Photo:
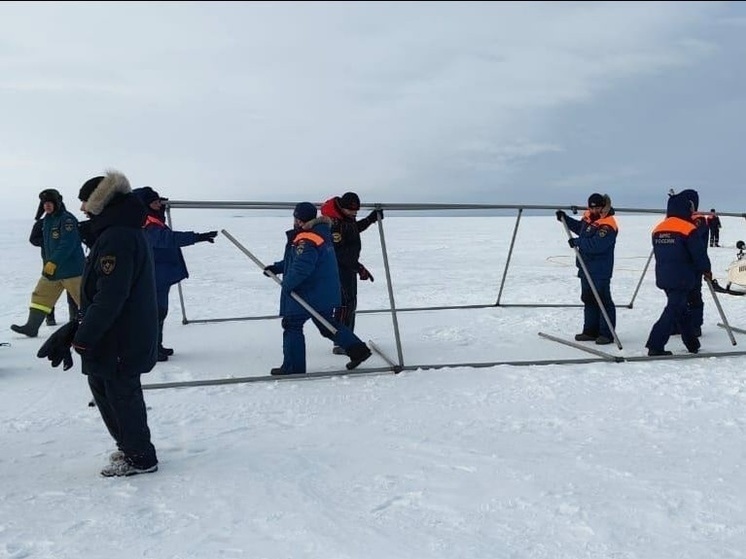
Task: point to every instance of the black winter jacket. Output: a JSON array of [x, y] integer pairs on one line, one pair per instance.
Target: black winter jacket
[[118, 331]]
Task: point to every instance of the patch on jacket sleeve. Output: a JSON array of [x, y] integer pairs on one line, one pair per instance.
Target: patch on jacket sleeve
[[69, 225], [602, 232], [108, 263], [337, 237], [300, 247]]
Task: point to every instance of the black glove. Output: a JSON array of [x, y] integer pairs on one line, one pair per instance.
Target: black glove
[[57, 347], [364, 274], [572, 241], [708, 275], [209, 237], [560, 215], [375, 215], [85, 230], [274, 268]]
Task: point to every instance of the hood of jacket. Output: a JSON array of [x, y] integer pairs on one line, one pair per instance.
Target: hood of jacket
[[112, 184], [692, 196], [123, 210], [332, 209], [680, 205]]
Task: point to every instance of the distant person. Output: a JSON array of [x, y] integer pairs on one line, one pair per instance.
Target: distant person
[[714, 225], [117, 336], [309, 269], [170, 266], [63, 261], [680, 261], [597, 233], [346, 229]]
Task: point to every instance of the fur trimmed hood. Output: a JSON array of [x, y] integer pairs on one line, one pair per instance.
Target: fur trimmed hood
[[112, 184], [315, 221]]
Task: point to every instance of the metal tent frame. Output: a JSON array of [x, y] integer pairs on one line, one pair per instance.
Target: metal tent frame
[[393, 310]]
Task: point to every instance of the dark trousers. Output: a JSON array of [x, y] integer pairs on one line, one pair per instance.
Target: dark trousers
[[294, 341], [594, 323], [676, 315], [122, 407], [345, 313], [696, 304], [714, 237], [161, 296]]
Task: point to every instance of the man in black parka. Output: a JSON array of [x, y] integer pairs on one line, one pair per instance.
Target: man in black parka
[[346, 229], [117, 333]]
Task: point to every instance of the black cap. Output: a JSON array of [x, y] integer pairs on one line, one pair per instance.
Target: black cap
[[596, 200], [349, 201]]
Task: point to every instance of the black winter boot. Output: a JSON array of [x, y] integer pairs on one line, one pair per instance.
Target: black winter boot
[[357, 354], [31, 328], [51, 321]]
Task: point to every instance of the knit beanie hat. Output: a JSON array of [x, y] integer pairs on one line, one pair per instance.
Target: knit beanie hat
[[350, 201], [305, 211], [147, 195], [596, 200], [88, 187]]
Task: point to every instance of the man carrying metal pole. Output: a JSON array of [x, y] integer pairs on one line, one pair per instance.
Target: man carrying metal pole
[[309, 268], [597, 233]]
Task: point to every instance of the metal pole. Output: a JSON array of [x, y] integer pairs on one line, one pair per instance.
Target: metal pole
[[639, 283], [593, 286], [293, 294], [184, 319], [510, 253], [720, 310], [387, 269]]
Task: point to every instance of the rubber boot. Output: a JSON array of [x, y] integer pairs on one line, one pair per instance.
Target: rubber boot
[[51, 321], [31, 328]]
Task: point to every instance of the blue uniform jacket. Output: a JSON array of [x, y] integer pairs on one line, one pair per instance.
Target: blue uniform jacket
[[170, 266], [596, 241], [62, 244], [680, 255], [310, 269]]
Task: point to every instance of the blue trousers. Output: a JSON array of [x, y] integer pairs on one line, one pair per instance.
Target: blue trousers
[[676, 315], [593, 319], [696, 304], [294, 342]]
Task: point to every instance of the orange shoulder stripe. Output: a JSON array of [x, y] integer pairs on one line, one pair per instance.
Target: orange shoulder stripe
[[674, 225], [609, 221], [315, 238]]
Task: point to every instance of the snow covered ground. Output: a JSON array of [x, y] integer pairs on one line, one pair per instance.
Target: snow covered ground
[[599, 460]]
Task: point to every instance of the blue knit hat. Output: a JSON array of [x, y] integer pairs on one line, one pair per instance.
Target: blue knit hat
[[305, 211]]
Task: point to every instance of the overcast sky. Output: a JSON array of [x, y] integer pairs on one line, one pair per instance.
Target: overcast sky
[[503, 103]]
